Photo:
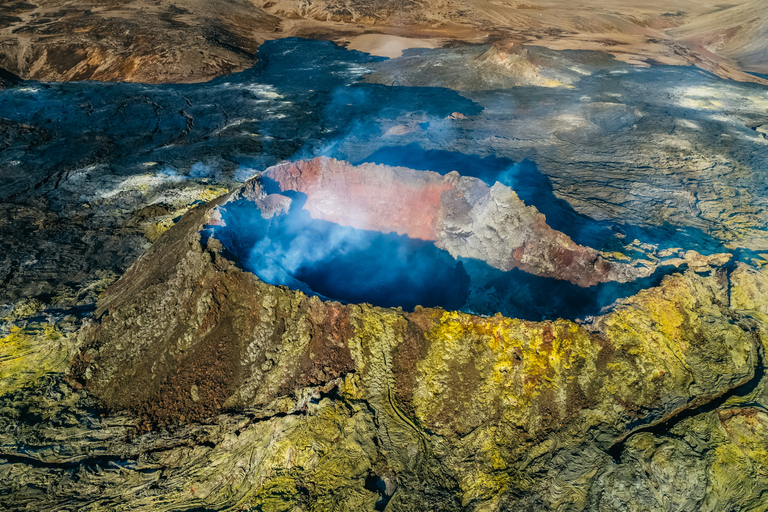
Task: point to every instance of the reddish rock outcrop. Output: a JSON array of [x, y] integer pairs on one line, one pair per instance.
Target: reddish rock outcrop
[[462, 215], [368, 196]]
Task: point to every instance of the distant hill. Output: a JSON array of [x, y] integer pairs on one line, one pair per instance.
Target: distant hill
[[739, 33], [196, 40]]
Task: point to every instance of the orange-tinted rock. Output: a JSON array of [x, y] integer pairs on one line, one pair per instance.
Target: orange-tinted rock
[[369, 196], [462, 215]]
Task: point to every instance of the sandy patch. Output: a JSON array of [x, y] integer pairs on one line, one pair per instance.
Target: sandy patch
[[385, 45]]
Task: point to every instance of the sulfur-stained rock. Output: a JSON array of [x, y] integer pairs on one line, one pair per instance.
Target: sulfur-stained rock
[[750, 286]]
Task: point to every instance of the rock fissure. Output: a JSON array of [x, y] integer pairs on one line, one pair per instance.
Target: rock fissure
[[94, 462], [663, 427]]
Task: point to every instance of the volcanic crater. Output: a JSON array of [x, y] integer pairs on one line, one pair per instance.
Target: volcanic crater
[[274, 287], [398, 237]]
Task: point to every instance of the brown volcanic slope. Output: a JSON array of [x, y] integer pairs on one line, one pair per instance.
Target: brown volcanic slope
[[442, 400], [193, 40], [138, 41], [185, 332], [738, 33]]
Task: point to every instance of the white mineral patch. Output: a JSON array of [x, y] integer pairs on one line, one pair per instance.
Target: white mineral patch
[[686, 123], [385, 45], [263, 91]]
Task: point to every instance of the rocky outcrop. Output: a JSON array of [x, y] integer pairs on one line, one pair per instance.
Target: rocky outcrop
[[372, 197], [495, 226], [460, 214]]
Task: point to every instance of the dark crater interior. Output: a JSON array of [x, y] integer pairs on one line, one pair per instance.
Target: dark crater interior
[[389, 270], [340, 262]]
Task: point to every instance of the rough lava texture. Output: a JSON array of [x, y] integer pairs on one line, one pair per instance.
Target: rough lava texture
[[460, 214]]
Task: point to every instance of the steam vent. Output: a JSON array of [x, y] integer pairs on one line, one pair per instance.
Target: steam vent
[[384, 256]]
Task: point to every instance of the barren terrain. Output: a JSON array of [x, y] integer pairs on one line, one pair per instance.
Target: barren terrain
[[192, 40]]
